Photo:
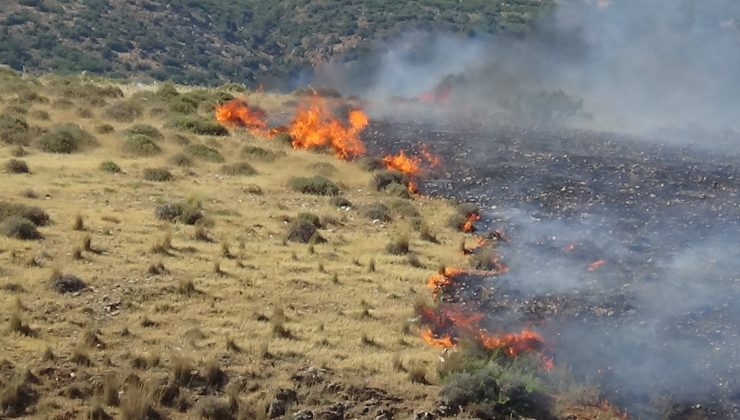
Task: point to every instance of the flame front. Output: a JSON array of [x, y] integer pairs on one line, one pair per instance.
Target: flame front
[[513, 344], [469, 224], [596, 265], [443, 342], [407, 165], [314, 126], [237, 113]]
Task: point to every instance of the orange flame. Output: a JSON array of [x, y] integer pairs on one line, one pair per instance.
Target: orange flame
[[314, 126], [596, 265], [438, 280], [237, 113], [469, 225], [513, 344], [443, 342], [407, 165], [432, 159]]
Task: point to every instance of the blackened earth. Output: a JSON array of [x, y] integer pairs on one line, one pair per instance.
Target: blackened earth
[[656, 324]]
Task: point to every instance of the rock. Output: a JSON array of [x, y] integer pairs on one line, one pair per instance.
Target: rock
[[424, 415], [334, 412], [276, 409], [446, 411], [303, 415]]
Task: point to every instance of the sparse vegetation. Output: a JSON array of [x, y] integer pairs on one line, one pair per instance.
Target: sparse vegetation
[[398, 246], [258, 153], [19, 228], [14, 130], [203, 152], [377, 211], [123, 111], [179, 159]]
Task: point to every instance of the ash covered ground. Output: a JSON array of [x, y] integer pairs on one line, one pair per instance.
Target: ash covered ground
[[624, 254]]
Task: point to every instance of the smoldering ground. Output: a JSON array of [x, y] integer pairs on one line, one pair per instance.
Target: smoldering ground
[[665, 68]]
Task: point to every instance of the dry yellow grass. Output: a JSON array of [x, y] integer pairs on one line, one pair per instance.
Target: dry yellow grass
[[346, 318]]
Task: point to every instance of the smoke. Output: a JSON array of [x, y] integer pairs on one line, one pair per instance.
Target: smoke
[[623, 65]]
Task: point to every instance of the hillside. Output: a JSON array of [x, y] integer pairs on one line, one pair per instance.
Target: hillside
[[212, 41]]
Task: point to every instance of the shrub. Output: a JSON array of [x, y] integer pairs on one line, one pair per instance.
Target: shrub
[[310, 218], [18, 151], [140, 145], [158, 174], [371, 163], [180, 139], [16, 166], [318, 185], [84, 113], [462, 212], [284, 138], [399, 246], [465, 388], [179, 212], [33, 214], [40, 114], [179, 159], [383, 179], [66, 283], [377, 211], [110, 166], [66, 138], [404, 208], [201, 126], [239, 168], [123, 111], [104, 129], [340, 201], [258, 153], [146, 130], [17, 394], [203, 152], [303, 231], [14, 130], [19, 228], [324, 168]]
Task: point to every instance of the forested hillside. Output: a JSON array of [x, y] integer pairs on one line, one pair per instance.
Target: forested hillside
[[212, 41]]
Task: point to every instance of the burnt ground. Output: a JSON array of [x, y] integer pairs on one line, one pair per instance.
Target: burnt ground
[[624, 253]]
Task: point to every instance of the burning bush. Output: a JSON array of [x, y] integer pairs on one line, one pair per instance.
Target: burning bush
[[66, 138], [200, 126], [465, 216], [239, 169], [392, 182], [140, 145], [317, 185], [179, 212], [203, 152], [15, 166], [237, 113], [123, 111], [158, 174]]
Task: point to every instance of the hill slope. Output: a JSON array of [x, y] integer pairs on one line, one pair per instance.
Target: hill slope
[[212, 41]]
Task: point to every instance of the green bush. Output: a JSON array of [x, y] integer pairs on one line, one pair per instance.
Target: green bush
[[318, 185], [19, 228], [146, 130], [158, 174], [85, 113], [181, 212], [140, 145], [200, 126], [250, 151], [404, 208], [203, 152], [66, 138], [34, 214], [309, 217], [179, 159], [15, 166], [377, 211], [239, 168], [464, 388], [14, 130], [384, 179], [371, 163], [123, 111], [40, 114], [110, 166]]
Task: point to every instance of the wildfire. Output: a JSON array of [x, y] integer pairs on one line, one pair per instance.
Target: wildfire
[[513, 344], [432, 159], [412, 166], [469, 225], [315, 126], [445, 278], [596, 265], [237, 113], [443, 342]]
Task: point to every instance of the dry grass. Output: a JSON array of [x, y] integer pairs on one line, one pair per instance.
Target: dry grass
[[313, 317]]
